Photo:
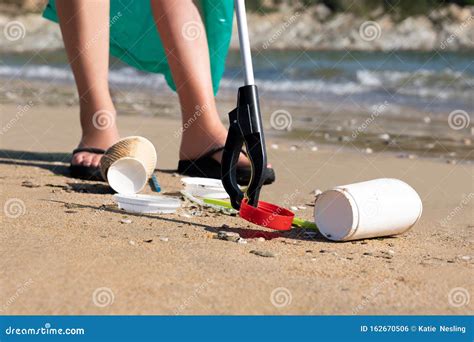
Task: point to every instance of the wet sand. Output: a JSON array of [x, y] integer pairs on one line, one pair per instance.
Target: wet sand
[[68, 250], [402, 132]]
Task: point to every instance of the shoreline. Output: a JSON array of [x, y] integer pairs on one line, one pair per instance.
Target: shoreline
[[310, 126]]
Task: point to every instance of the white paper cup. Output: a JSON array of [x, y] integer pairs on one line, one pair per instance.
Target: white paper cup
[[380, 207], [135, 147], [124, 163], [127, 176]]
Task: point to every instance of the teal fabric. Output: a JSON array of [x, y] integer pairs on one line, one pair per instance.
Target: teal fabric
[[134, 38]]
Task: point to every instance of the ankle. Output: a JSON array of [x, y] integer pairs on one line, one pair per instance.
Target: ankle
[[100, 120], [99, 127], [99, 139], [205, 129], [97, 114]]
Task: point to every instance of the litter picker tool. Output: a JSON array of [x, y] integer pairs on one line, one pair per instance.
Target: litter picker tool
[[246, 128]]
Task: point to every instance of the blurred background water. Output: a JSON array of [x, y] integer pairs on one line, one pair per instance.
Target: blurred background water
[[429, 82], [408, 89]]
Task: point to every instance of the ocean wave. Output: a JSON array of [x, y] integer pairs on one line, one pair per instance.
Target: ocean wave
[[443, 85], [36, 72], [302, 86], [130, 76], [122, 76]]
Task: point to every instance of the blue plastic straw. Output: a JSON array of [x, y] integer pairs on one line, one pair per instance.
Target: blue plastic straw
[[155, 186]]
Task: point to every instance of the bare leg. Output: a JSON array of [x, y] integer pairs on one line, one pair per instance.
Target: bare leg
[[188, 57], [85, 29]]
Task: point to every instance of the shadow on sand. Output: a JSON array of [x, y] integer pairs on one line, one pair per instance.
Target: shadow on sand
[[58, 164], [54, 162]]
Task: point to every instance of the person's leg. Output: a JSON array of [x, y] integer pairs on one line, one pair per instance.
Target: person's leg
[[85, 29], [183, 34]]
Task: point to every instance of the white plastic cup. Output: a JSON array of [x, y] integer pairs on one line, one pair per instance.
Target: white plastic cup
[[380, 207]]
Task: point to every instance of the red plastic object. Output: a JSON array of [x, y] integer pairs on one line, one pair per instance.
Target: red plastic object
[[267, 215]]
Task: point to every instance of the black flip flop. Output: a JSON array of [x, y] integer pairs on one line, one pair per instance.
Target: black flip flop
[[86, 172], [207, 167]]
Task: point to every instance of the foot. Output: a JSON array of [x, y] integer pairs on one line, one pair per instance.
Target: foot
[[102, 139], [198, 139], [196, 142]]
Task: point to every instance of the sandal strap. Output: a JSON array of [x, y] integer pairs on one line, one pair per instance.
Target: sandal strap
[[88, 150], [214, 150]]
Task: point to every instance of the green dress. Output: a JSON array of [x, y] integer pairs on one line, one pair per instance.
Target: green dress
[[134, 38]]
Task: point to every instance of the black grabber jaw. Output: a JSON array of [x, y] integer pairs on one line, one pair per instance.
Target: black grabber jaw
[[245, 128]]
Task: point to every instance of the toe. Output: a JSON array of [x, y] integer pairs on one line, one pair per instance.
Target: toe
[[87, 161], [77, 159], [96, 160]]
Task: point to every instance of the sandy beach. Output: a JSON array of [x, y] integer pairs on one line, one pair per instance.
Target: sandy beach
[[67, 249]]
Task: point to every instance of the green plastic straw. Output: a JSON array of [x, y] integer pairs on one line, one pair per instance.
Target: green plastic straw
[[297, 222], [218, 202], [300, 223]]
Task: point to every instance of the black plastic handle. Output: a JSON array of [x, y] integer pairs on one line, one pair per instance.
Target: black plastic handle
[[230, 158], [245, 128]]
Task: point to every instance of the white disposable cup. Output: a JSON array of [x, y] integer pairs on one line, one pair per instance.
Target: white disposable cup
[[127, 175], [380, 207], [135, 147]]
